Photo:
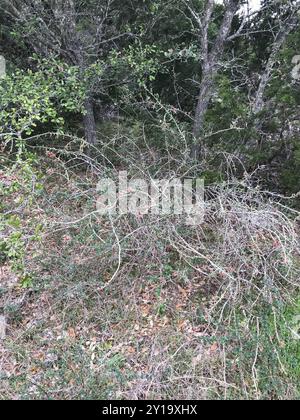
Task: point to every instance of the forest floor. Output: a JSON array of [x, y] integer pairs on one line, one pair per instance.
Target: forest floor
[[151, 333]]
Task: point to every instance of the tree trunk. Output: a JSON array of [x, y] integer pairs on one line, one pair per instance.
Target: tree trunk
[[205, 95], [211, 59], [259, 102], [89, 123]]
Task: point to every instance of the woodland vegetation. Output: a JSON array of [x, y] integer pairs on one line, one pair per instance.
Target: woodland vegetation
[[148, 307]]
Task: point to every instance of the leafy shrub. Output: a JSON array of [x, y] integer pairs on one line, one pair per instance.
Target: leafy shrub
[[31, 98], [19, 185]]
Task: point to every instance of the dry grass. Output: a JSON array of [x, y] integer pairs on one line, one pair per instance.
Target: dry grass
[[149, 308]]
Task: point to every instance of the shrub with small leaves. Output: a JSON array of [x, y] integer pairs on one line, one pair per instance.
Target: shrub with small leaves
[[29, 98], [19, 229]]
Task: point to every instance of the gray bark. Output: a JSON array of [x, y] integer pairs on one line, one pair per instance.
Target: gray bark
[[211, 59], [204, 98], [89, 123], [259, 102]]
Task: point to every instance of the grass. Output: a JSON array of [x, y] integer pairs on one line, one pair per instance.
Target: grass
[[170, 326], [143, 340]]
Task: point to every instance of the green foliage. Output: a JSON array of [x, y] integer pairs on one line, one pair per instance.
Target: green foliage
[[30, 98], [19, 185], [140, 63], [290, 171], [25, 101]]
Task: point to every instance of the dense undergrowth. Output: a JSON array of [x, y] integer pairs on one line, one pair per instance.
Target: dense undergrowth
[[144, 307]]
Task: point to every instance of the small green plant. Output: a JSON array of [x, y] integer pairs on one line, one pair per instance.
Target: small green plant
[[19, 186]]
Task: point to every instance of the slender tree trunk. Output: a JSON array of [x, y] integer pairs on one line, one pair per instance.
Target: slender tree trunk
[[211, 59], [259, 102], [204, 98], [89, 122]]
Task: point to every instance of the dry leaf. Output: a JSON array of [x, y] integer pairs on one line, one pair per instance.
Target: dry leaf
[[214, 348], [72, 333]]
